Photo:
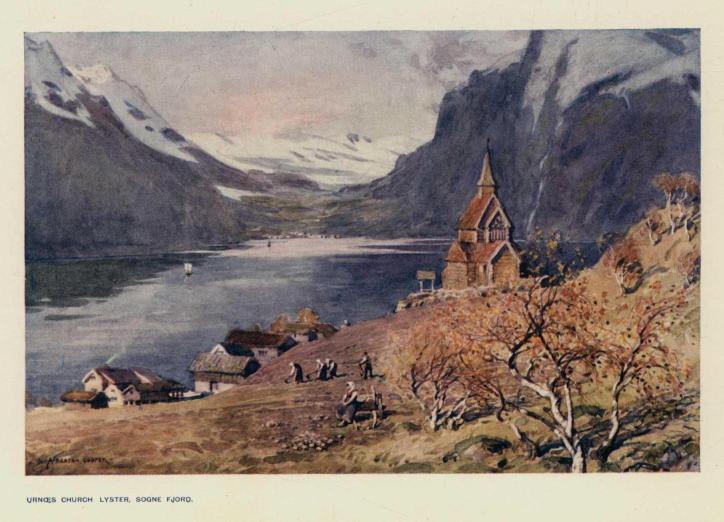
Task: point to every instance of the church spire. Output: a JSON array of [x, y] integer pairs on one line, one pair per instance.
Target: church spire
[[486, 181]]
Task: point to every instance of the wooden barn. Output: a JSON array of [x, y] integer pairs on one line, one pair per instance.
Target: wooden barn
[[222, 368], [241, 354], [483, 253]]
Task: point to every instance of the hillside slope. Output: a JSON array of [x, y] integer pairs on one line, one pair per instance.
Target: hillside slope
[[267, 426]]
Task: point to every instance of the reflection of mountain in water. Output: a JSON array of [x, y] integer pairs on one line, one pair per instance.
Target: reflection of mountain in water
[[73, 282]]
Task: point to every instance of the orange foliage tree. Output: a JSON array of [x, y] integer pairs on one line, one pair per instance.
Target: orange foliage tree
[[426, 364], [669, 185], [527, 350], [636, 356], [683, 192], [533, 351], [688, 202], [653, 225], [622, 259]]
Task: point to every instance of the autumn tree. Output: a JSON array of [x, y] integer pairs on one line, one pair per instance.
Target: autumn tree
[[426, 365], [653, 225], [622, 260], [682, 192], [669, 185], [688, 202], [545, 255], [689, 265], [533, 355], [636, 356], [534, 351]]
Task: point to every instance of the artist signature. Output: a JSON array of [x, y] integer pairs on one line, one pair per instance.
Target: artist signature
[[48, 462]]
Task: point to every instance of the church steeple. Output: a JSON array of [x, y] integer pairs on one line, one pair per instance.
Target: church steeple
[[486, 183]]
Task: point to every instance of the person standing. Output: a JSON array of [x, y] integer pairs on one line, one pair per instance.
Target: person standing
[[366, 366], [297, 374]]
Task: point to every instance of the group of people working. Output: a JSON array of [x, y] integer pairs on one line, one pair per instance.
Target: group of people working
[[327, 370]]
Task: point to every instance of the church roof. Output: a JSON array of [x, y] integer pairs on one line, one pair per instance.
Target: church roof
[[477, 252], [471, 217], [456, 254], [484, 252], [486, 174]]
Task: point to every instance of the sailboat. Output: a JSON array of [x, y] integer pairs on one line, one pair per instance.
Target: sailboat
[[188, 269]]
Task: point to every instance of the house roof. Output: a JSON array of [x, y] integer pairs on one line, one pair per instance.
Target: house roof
[[80, 396], [145, 373], [471, 217], [237, 349], [254, 338], [124, 377], [118, 375], [220, 363], [325, 329]]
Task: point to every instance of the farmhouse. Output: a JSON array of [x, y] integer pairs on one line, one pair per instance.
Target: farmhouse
[[263, 345], [126, 386], [483, 253], [241, 354], [306, 328]]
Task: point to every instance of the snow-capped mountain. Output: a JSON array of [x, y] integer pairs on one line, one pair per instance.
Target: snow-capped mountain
[[578, 128], [61, 90], [330, 161], [52, 85], [105, 173]]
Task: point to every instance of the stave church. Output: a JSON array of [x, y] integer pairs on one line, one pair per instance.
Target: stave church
[[484, 253]]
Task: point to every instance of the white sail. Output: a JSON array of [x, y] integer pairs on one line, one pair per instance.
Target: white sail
[[188, 268]]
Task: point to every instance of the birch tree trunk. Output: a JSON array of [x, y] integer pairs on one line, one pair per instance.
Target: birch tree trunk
[[579, 460], [670, 212]]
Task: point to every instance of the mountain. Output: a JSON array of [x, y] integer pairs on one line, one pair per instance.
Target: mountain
[[578, 128], [106, 174], [330, 161]]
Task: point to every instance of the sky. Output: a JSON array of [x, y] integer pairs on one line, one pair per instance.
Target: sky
[[278, 84]]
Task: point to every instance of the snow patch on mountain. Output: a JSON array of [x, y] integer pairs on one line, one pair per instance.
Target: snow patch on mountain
[[51, 84], [611, 61], [330, 161], [237, 194], [129, 104]]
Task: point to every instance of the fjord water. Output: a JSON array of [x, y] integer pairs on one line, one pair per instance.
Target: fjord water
[[142, 311]]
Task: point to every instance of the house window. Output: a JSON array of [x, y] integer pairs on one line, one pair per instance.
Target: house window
[[213, 386]]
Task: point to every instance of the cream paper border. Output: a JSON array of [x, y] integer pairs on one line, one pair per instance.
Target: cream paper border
[[690, 497]]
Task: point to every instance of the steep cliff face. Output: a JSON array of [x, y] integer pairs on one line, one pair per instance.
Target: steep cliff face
[[578, 128]]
